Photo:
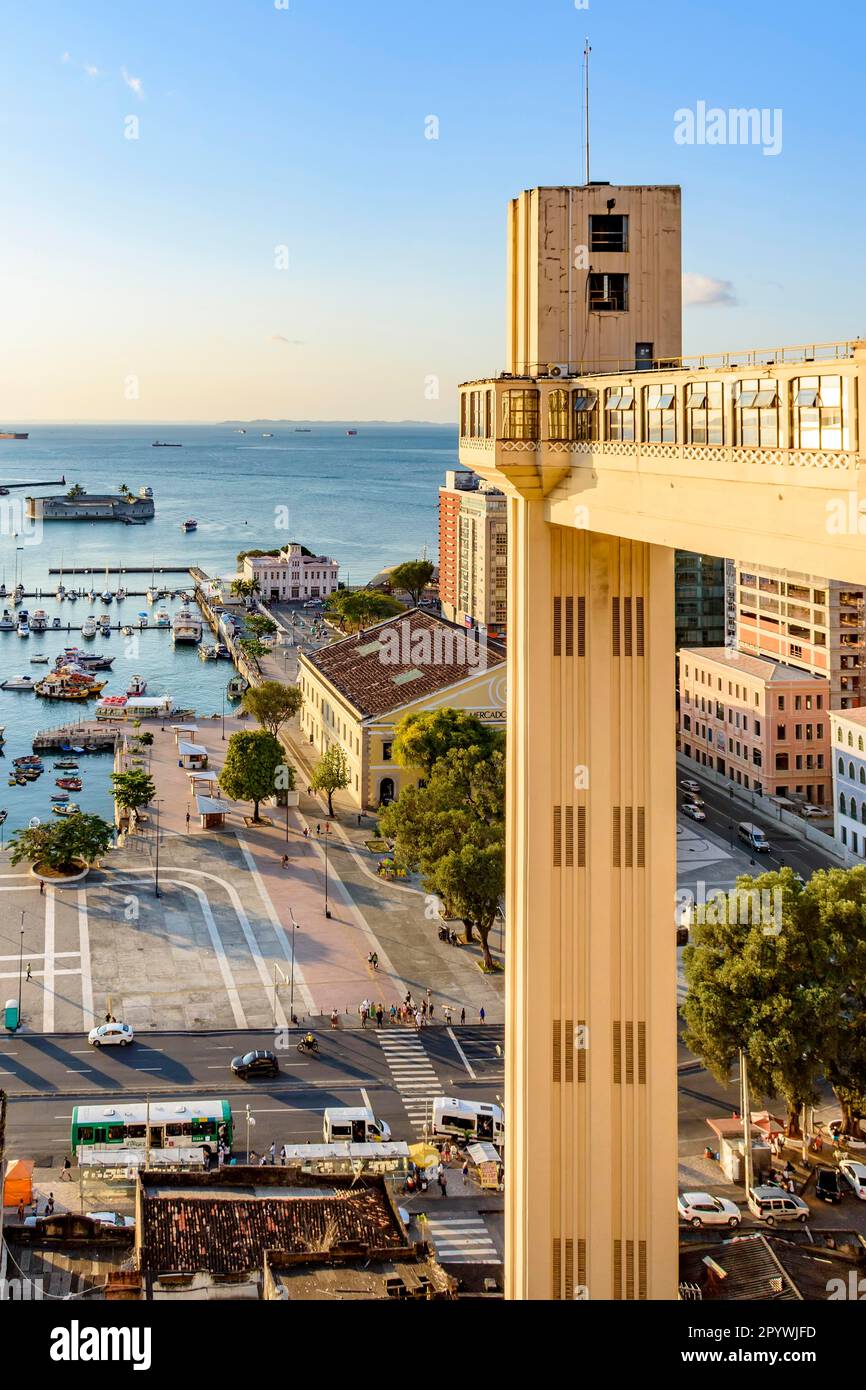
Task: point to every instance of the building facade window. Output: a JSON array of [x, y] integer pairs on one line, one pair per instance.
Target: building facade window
[[608, 294], [757, 414], [820, 413], [520, 415], [620, 413], [660, 414], [705, 420]]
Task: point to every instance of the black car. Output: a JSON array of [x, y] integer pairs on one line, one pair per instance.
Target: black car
[[828, 1185], [254, 1064]]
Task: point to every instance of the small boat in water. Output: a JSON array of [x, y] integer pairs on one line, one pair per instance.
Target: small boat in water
[[162, 618], [237, 688], [39, 621], [137, 686], [65, 765], [142, 619], [70, 809], [23, 628], [206, 653], [56, 624], [38, 660], [19, 683], [7, 622], [127, 630], [69, 784], [189, 525], [120, 594], [88, 627]]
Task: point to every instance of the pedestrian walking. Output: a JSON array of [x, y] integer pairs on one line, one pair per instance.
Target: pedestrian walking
[[21, 1209], [306, 832], [335, 1018], [272, 1151], [423, 1008], [430, 1011], [481, 1014], [392, 1013], [465, 1171], [309, 791], [65, 1175], [49, 1205], [285, 861], [448, 1015], [318, 827], [29, 975], [284, 1153], [462, 1016], [187, 822], [363, 1017], [418, 1020], [443, 1187], [41, 886], [380, 1014]]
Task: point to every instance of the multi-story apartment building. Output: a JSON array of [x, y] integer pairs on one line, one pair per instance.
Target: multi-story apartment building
[[848, 732], [699, 598], [473, 541], [816, 624], [760, 723], [292, 573]]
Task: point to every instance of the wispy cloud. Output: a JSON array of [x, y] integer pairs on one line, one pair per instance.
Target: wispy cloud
[[91, 69], [705, 289], [291, 342], [66, 58], [133, 83]]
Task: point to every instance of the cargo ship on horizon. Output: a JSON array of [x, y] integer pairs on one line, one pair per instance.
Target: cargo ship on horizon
[[8, 434]]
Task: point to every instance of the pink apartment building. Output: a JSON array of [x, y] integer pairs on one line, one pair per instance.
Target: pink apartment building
[[758, 722]]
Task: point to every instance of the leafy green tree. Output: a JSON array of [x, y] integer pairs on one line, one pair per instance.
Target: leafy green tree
[[63, 846], [359, 608], [453, 830], [254, 650], [244, 588], [260, 625], [422, 739], [762, 978], [412, 577], [331, 774], [273, 704], [133, 789], [75, 492], [253, 760]]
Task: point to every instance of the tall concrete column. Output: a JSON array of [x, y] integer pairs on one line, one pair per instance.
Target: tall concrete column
[[591, 1004]]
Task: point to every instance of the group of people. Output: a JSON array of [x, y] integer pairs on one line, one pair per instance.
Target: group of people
[[414, 1012]]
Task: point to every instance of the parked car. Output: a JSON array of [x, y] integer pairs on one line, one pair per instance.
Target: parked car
[[690, 808], [111, 1218], [111, 1035], [855, 1175], [700, 1209], [688, 785], [254, 1064], [813, 811], [693, 799], [771, 1204], [828, 1185]]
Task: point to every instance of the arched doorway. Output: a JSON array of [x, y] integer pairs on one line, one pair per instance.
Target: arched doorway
[[386, 791]]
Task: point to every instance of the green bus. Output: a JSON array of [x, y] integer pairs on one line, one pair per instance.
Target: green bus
[[171, 1124]]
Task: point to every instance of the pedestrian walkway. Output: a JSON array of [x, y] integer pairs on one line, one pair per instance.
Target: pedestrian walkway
[[414, 1077], [462, 1240]]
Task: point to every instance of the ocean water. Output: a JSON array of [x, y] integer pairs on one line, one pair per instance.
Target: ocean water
[[368, 501]]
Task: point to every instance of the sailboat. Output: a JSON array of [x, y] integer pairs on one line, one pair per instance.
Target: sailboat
[[153, 591], [106, 594], [60, 591]]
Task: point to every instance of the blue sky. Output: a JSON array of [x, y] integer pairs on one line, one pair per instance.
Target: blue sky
[[151, 261]]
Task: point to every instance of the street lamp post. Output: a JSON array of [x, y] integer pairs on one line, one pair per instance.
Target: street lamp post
[[250, 1121], [20, 967], [224, 716], [156, 892], [327, 836]]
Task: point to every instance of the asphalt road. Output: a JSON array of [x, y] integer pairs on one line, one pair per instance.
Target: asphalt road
[[724, 814], [44, 1076]]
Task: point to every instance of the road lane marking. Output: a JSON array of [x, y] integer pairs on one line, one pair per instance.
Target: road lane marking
[[48, 975], [280, 932], [84, 943], [460, 1053]]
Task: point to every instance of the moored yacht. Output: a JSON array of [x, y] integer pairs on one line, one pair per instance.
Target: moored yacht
[[39, 621], [7, 622], [162, 618], [186, 626], [88, 627], [23, 628]]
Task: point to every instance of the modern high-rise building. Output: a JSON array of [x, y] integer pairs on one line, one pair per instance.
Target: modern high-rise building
[[607, 473], [473, 544], [814, 623], [699, 597]]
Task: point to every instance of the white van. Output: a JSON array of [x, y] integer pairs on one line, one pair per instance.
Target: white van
[[355, 1125], [467, 1120], [753, 836]]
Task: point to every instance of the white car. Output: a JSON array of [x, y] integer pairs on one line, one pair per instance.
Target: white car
[[111, 1035], [855, 1175], [111, 1218], [813, 811], [691, 808], [690, 786], [700, 1209]]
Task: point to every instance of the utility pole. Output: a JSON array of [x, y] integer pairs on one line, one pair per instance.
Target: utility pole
[[747, 1121], [327, 836], [586, 52], [156, 892], [20, 967]]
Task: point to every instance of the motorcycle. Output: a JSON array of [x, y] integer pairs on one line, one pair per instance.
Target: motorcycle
[[308, 1045]]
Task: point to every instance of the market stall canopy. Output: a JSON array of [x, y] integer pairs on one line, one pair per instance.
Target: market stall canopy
[[212, 806]]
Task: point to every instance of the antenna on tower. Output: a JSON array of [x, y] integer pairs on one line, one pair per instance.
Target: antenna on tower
[[587, 49]]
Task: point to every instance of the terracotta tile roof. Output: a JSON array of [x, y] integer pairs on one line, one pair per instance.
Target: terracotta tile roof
[[225, 1233], [854, 716], [400, 660], [764, 668]]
